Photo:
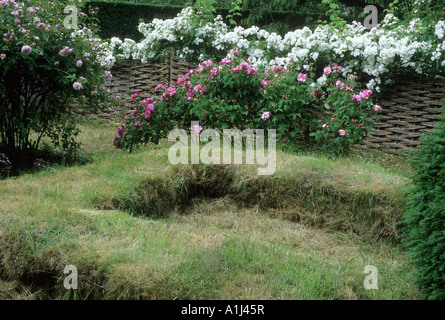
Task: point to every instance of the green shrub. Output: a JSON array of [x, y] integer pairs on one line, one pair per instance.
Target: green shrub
[[424, 221]]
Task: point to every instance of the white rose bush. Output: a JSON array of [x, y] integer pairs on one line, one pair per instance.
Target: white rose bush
[[379, 55]]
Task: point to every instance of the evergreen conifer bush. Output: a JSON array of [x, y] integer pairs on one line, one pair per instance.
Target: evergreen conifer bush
[[424, 220]]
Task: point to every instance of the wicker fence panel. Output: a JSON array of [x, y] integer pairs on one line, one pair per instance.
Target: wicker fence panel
[[133, 76], [130, 76], [409, 111]]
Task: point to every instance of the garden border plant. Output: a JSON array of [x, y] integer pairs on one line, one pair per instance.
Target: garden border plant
[[423, 223], [236, 95], [45, 67]]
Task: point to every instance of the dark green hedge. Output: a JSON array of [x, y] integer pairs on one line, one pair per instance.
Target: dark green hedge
[[120, 19], [424, 221]]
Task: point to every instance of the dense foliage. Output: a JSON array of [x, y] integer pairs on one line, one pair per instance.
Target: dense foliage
[[424, 221], [43, 66], [121, 18]]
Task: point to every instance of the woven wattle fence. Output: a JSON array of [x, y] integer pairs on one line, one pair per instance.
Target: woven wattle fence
[[130, 76], [410, 110]]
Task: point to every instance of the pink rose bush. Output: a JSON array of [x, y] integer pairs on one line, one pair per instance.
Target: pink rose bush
[[53, 65], [350, 114], [239, 95], [302, 77]]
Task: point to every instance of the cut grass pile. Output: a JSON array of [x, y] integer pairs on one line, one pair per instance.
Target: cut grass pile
[[138, 228]]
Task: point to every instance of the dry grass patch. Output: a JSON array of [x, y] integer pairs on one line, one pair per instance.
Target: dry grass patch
[[137, 228]]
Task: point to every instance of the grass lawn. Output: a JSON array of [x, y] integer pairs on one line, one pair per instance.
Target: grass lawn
[[137, 227]]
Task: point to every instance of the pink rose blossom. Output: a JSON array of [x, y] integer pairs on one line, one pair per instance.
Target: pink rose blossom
[[64, 52], [340, 85], [77, 86], [197, 87], [265, 115], [302, 77], [366, 94], [376, 108], [234, 51], [190, 94], [134, 95], [225, 61], [277, 68], [208, 63], [263, 83], [214, 71], [148, 110], [357, 98], [134, 113], [159, 87], [342, 132], [171, 91], [188, 84], [252, 70], [147, 101], [120, 130], [26, 49], [189, 74], [327, 70], [197, 129]]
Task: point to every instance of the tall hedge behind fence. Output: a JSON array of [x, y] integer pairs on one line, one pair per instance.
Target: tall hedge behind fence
[[121, 19], [410, 110]]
